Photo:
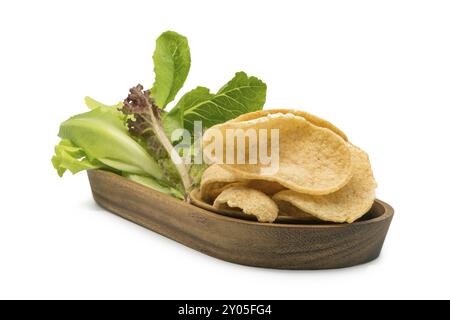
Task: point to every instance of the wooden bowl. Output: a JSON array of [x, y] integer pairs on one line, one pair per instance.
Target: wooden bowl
[[278, 245]]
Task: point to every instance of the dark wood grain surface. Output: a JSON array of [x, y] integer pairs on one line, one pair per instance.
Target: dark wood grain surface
[[281, 246]]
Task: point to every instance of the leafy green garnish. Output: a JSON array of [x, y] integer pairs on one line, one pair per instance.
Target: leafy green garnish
[[196, 173], [99, 139], [156, 185], [240, 95], [70, 157], [172, 61], [134, 137], [144, 122], [94, 104]]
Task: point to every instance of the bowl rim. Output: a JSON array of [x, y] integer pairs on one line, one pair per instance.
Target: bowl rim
[[387, 214], [284, 220]]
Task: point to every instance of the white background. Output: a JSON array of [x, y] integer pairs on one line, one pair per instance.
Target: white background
[[380, 70]]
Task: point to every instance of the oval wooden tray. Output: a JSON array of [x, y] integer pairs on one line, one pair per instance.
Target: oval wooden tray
[[278, 245]]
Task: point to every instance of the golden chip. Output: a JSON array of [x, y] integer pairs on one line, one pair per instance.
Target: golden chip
[[346, 205], [214, 180], [309, 117], [287, 209], [251, 201], [217, 178], [312, 160]]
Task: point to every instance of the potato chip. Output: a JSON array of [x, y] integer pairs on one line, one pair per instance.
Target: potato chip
[[346, 205], [214, 180], [250, 201], [312, 160], [287, 209], [267, 187], [309, 117], [217, 178]]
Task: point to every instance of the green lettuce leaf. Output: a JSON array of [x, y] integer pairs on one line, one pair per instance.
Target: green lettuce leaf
[[175, 118], [196, 172], [172, 122], [156, 185], [99, 139], [70, 157], [94, 104], [143, 120], [134, 138], [240, 95], [172, 61]]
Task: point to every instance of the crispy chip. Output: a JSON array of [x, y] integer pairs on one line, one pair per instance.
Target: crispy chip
[[251, 201], [217, 178], [309, 117], [346, 205], [312, 160], [267, 187], [214, 180], [287, 209]]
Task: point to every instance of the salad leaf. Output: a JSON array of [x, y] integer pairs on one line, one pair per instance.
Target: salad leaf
[[175, 118], [94, 104], [97, 139], [144, 122], [172, 122], [172, 61], [156, 185], [131, 138], [240, 95], [196, 173], [70, 157]]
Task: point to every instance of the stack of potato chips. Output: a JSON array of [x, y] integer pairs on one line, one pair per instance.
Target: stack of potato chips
[[319, 174]]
